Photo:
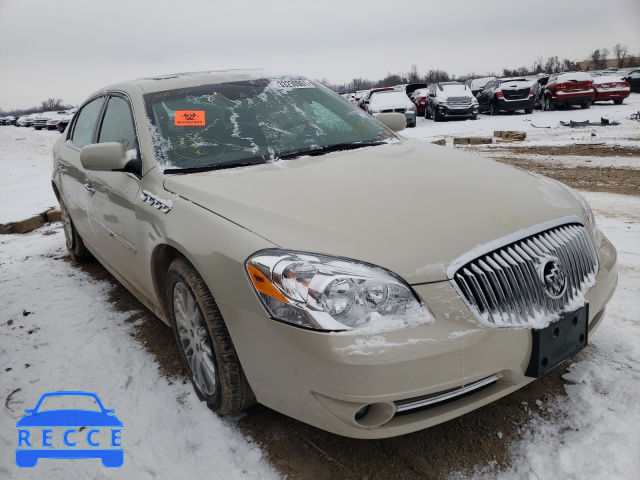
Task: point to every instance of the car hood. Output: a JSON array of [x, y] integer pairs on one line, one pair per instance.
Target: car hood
[[410, 207]]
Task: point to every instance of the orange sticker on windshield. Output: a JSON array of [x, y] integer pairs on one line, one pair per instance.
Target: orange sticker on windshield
[[189, 118]]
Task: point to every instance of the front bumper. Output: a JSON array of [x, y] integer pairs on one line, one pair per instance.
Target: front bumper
[[452, 111], [325, 379]]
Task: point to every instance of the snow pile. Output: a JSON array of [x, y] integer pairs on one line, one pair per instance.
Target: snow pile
[[73, 339]]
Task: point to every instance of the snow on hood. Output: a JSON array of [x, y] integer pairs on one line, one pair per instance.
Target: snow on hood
[[409, 207]]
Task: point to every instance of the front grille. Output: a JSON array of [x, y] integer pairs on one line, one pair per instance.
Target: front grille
[[459, 101], [400, 110], [514, 285]]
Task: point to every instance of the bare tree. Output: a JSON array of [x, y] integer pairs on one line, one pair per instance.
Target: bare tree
[[413, 76], [52, 104], [621, 53], [435, 76], [598, 58]]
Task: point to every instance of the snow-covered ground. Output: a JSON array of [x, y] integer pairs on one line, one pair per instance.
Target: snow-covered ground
[[73, 339]]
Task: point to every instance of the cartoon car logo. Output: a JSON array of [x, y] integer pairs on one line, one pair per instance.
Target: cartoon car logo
[[49, 419]]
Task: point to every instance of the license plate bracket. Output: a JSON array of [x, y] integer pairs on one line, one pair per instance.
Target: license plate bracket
[[558, 342]]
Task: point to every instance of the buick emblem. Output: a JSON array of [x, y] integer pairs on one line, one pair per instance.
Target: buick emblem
[[554, 280]]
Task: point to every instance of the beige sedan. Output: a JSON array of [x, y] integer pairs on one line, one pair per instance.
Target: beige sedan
[[309, 259]]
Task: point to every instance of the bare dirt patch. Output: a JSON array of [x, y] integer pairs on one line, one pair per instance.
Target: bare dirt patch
[[577, 149], [621, 180]]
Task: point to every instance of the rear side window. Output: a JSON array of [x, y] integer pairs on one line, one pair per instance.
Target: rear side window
[[117, 125], [86, 123]]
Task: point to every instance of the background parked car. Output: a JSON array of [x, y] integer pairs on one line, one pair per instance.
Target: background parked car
[[538, 90], [478, 84], [40, 121], [610, 87], [633, 78], [64, 120], [506, 95], [450, 99], [419, 99], [392, 101], [365, 99], [564, 89]]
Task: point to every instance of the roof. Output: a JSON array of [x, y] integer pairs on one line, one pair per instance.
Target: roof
[[192, 79]]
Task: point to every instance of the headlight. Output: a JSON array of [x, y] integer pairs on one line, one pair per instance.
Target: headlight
[[591, 220], [328, 293], [412, 108]]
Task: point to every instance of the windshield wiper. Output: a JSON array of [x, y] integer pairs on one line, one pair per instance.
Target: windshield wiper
[[217, 166], [313, 151]]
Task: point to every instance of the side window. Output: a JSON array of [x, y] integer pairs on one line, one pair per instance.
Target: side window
[[117, 125], [86, 122]]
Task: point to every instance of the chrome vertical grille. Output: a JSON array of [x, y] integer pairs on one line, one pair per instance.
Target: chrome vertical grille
[[543, 274]]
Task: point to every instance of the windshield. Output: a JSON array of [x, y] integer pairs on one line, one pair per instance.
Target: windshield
[[252, 121], [454, 88]]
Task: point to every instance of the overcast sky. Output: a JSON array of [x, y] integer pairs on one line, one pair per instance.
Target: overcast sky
[[69, 48]]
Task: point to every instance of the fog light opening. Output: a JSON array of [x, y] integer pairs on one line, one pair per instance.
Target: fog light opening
[[360, 414], [375, 414]]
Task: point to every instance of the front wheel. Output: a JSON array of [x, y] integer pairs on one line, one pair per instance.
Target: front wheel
[[204, 342], [493, 109], [436, 116], [75, 245], [427, 115], [617, 101]]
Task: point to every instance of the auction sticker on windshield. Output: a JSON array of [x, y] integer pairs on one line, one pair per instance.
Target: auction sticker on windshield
[[293, 84], [189, 118]]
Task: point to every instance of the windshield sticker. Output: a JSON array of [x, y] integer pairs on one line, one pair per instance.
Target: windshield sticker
[[189, 118], [287, 84]]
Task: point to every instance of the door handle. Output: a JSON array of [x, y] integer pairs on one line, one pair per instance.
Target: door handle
[[88, 188], [61, 169]]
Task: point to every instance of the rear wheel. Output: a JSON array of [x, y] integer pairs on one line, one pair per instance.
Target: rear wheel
[[75, 246], [204, 342], [528, 111], [586, 104], [617, 101]]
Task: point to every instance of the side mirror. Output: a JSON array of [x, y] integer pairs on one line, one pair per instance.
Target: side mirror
[[104, 157], [393, 121]]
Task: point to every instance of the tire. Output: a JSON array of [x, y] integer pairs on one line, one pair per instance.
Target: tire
[[435, 114], [427, 115], [474, 117], [551, 105], [411, 125], [205, 345], [618, 101], [585, 105], [493, 109], [528, 111], [77, 251]]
